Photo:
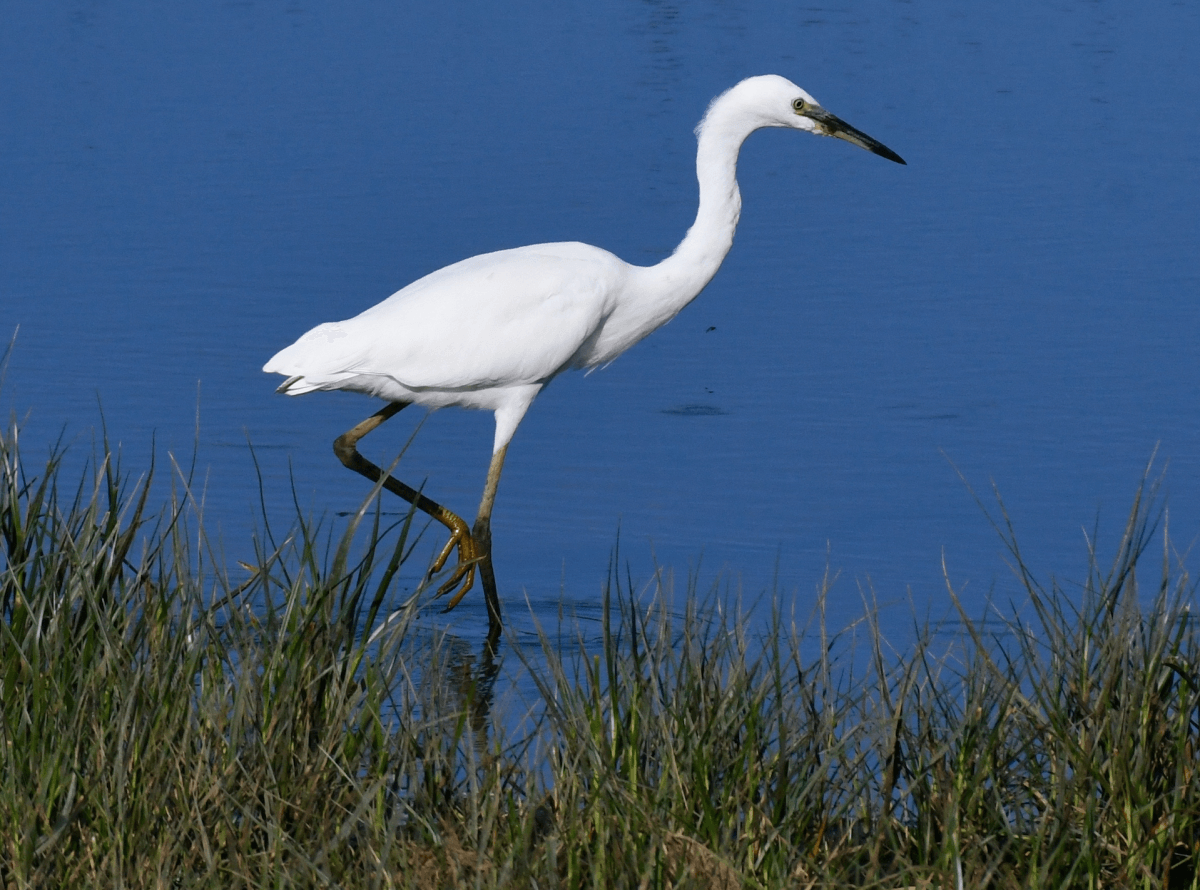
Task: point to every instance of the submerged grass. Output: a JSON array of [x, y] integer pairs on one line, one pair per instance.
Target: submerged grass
[[162, 726]]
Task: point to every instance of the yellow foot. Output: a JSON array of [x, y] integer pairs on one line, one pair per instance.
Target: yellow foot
[[464, 572]]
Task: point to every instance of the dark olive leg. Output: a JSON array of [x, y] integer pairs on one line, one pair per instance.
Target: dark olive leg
[[482, 534], [345, 447]]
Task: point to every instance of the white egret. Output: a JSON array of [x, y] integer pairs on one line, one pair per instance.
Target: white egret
[[490, 331]]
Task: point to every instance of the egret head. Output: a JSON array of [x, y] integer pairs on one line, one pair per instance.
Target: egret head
[[774, 101]]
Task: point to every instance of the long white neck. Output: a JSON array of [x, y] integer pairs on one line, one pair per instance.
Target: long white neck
[[676, 281]]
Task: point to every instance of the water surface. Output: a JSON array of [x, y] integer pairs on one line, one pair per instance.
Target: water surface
[[187, 189]]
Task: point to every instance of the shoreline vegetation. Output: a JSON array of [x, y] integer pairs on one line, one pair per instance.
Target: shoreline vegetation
[[164, 726]]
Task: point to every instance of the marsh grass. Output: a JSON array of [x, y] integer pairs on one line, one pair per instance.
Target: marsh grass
[[164, 724]]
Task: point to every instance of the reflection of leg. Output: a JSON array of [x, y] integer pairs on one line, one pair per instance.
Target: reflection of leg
[[484, 691], [471, 679], [345, 447]]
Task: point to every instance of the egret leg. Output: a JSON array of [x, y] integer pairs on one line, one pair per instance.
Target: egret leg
[[345, 447], [482, 535]]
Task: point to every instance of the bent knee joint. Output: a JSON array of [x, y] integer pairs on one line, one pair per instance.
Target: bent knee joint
[[345, 449]]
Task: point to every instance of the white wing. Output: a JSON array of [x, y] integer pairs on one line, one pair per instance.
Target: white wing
[[501, 319]]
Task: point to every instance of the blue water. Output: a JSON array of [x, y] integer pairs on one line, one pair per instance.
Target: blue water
[[188, 187]]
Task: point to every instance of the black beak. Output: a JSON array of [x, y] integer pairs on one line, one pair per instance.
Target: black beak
[[835, 126]]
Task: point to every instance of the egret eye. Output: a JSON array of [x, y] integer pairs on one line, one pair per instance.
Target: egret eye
[[799, 105]]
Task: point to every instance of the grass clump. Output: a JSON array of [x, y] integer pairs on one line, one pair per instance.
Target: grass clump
[[163, 726]]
